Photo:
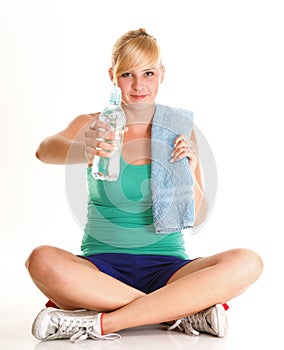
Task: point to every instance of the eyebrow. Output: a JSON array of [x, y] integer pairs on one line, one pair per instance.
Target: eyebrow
[[144, 70]]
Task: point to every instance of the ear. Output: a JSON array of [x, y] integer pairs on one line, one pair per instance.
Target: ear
[[110, 72]]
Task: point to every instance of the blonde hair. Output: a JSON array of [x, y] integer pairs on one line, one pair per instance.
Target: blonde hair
[[135, 49]]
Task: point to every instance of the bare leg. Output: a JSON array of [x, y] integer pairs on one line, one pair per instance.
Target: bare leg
[[196, 286], [75, 283]]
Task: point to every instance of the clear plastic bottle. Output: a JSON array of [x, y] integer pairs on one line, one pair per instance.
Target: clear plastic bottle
[[109, 168]]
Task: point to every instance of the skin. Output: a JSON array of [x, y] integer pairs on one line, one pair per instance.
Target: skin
[[202, 283]]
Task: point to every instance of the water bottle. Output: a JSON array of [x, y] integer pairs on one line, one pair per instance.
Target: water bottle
[[109, 168]]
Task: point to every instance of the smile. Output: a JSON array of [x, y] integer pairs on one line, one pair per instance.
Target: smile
[[138, 97]]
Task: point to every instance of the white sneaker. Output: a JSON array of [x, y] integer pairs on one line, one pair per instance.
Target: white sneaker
[[212, 320], [77, 325]]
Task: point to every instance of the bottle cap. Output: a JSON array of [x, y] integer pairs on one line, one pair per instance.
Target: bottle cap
[[115, 96]]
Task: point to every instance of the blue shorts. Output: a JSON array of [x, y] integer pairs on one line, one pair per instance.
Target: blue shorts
[[143, 272]]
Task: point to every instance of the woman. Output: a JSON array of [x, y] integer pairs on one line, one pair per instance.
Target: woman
[[128, 275]]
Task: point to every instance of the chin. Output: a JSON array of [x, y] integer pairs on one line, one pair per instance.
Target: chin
[[138, 106]]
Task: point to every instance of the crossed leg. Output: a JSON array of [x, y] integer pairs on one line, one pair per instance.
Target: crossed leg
[[75, 283]]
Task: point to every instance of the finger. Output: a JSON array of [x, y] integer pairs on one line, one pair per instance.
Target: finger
[[180, 139], [105, 146], [99, 124], [181, 153], [102, 149], [180, 146], [183, 150], [186, 147], [102, 153], [99, 134]]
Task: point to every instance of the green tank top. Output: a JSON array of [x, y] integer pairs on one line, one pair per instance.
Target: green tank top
[[120, 217]]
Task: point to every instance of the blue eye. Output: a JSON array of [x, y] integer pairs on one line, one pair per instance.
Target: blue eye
[[149, 73], [126, 75]]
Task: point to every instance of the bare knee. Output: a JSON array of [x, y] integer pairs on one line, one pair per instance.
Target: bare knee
[[249, 262], [38, 261]]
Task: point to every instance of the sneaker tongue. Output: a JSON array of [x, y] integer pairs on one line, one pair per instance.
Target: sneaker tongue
[[212, 320]]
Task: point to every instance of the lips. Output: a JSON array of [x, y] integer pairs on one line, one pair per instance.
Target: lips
[[138, 97]]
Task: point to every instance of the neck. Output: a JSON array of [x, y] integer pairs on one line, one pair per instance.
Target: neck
[[139, 113]]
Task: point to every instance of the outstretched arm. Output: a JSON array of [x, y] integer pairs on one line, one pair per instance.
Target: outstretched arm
[[67, 146]]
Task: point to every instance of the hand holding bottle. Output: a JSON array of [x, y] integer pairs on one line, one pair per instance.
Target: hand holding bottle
[[98, 140], [108, 139]]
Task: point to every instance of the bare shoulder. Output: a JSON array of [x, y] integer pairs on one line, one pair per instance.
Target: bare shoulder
[[78, 125]]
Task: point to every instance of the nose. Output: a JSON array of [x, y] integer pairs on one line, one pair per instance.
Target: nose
[[138, 83]]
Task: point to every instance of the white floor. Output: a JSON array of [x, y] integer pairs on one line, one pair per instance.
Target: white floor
[[247, 330]]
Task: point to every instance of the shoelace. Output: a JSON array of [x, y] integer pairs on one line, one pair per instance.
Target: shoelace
[[184, 325], [80, 330], [199, 320], [85, 333]]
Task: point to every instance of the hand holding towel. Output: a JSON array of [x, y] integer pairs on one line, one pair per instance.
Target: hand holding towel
[[171, 183]]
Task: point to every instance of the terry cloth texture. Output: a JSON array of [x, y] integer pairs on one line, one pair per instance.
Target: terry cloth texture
[[171, 183]]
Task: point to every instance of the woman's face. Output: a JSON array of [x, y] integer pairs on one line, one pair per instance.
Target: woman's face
[[140, 86]]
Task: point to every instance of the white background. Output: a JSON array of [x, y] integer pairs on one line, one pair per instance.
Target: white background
[[224, 60]]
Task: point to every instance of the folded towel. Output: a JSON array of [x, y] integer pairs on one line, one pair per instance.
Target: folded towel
[[171, 183]]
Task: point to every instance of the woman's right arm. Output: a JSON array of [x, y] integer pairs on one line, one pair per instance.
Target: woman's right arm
[[67, 146]]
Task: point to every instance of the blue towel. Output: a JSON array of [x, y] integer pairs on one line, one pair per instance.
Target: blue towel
[[171, 183]]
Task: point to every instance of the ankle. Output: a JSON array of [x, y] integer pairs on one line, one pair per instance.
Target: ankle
[[102, 323], [107, 325]]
